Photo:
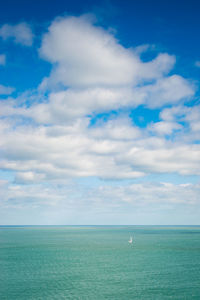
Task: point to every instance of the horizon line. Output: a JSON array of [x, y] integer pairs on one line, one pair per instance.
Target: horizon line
[[46, 225]]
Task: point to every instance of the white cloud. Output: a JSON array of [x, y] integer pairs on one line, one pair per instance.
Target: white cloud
[[158, 67], [6, 90], [149, 193], [174, 112], [116, 129], [28, 177], [170, 158], [101, 74], [73, 153], [65, 106], [169, 90], [192, 116], [189, 116], [86, 55], [2, 59], [21, 33], [52, 139], [139, 203], [115, 149], [164, 128]]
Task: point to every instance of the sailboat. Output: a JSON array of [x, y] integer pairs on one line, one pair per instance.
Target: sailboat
[[131, 240]]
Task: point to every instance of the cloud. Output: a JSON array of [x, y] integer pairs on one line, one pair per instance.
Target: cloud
[[167, 158], [148, 193], [158, 67], [59, 134], [174, 112], [6, 90], [187, 115], [86, 55], [21, 33], [68, 105], [137, 194], [72, 153], [2, 59], [28, 177], [136, 203], [94, 73], [99, 75], [192, 116], [115, 149], [120, 128], [169, 90], [164, 128]]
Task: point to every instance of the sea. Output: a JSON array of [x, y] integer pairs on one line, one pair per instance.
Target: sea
[[98, 262]]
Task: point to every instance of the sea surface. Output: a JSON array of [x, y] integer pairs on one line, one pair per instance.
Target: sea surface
[[97, 262]]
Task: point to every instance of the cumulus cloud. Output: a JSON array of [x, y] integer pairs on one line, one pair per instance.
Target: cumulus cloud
[[192, 116], [120, 128], [21, 33], [68, 105], [102, 77], [73, 153], [74, 103], [182, 159], [158, 67], [49, 140], [187, 115], [6, 90], [164, 128], [169, 90], [115, 149], [100, 74], [88, 55]]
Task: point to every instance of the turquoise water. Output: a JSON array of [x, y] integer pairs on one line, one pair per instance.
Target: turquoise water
[[98, 263]]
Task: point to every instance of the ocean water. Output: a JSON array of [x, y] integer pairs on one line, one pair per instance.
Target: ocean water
[[97, 262]]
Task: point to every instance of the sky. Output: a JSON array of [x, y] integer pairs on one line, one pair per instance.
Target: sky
[[99, 112]]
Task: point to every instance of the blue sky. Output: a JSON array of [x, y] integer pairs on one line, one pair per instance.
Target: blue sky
[[99, 112]]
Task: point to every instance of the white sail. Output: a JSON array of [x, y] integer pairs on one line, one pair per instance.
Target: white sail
[[131, 240]]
